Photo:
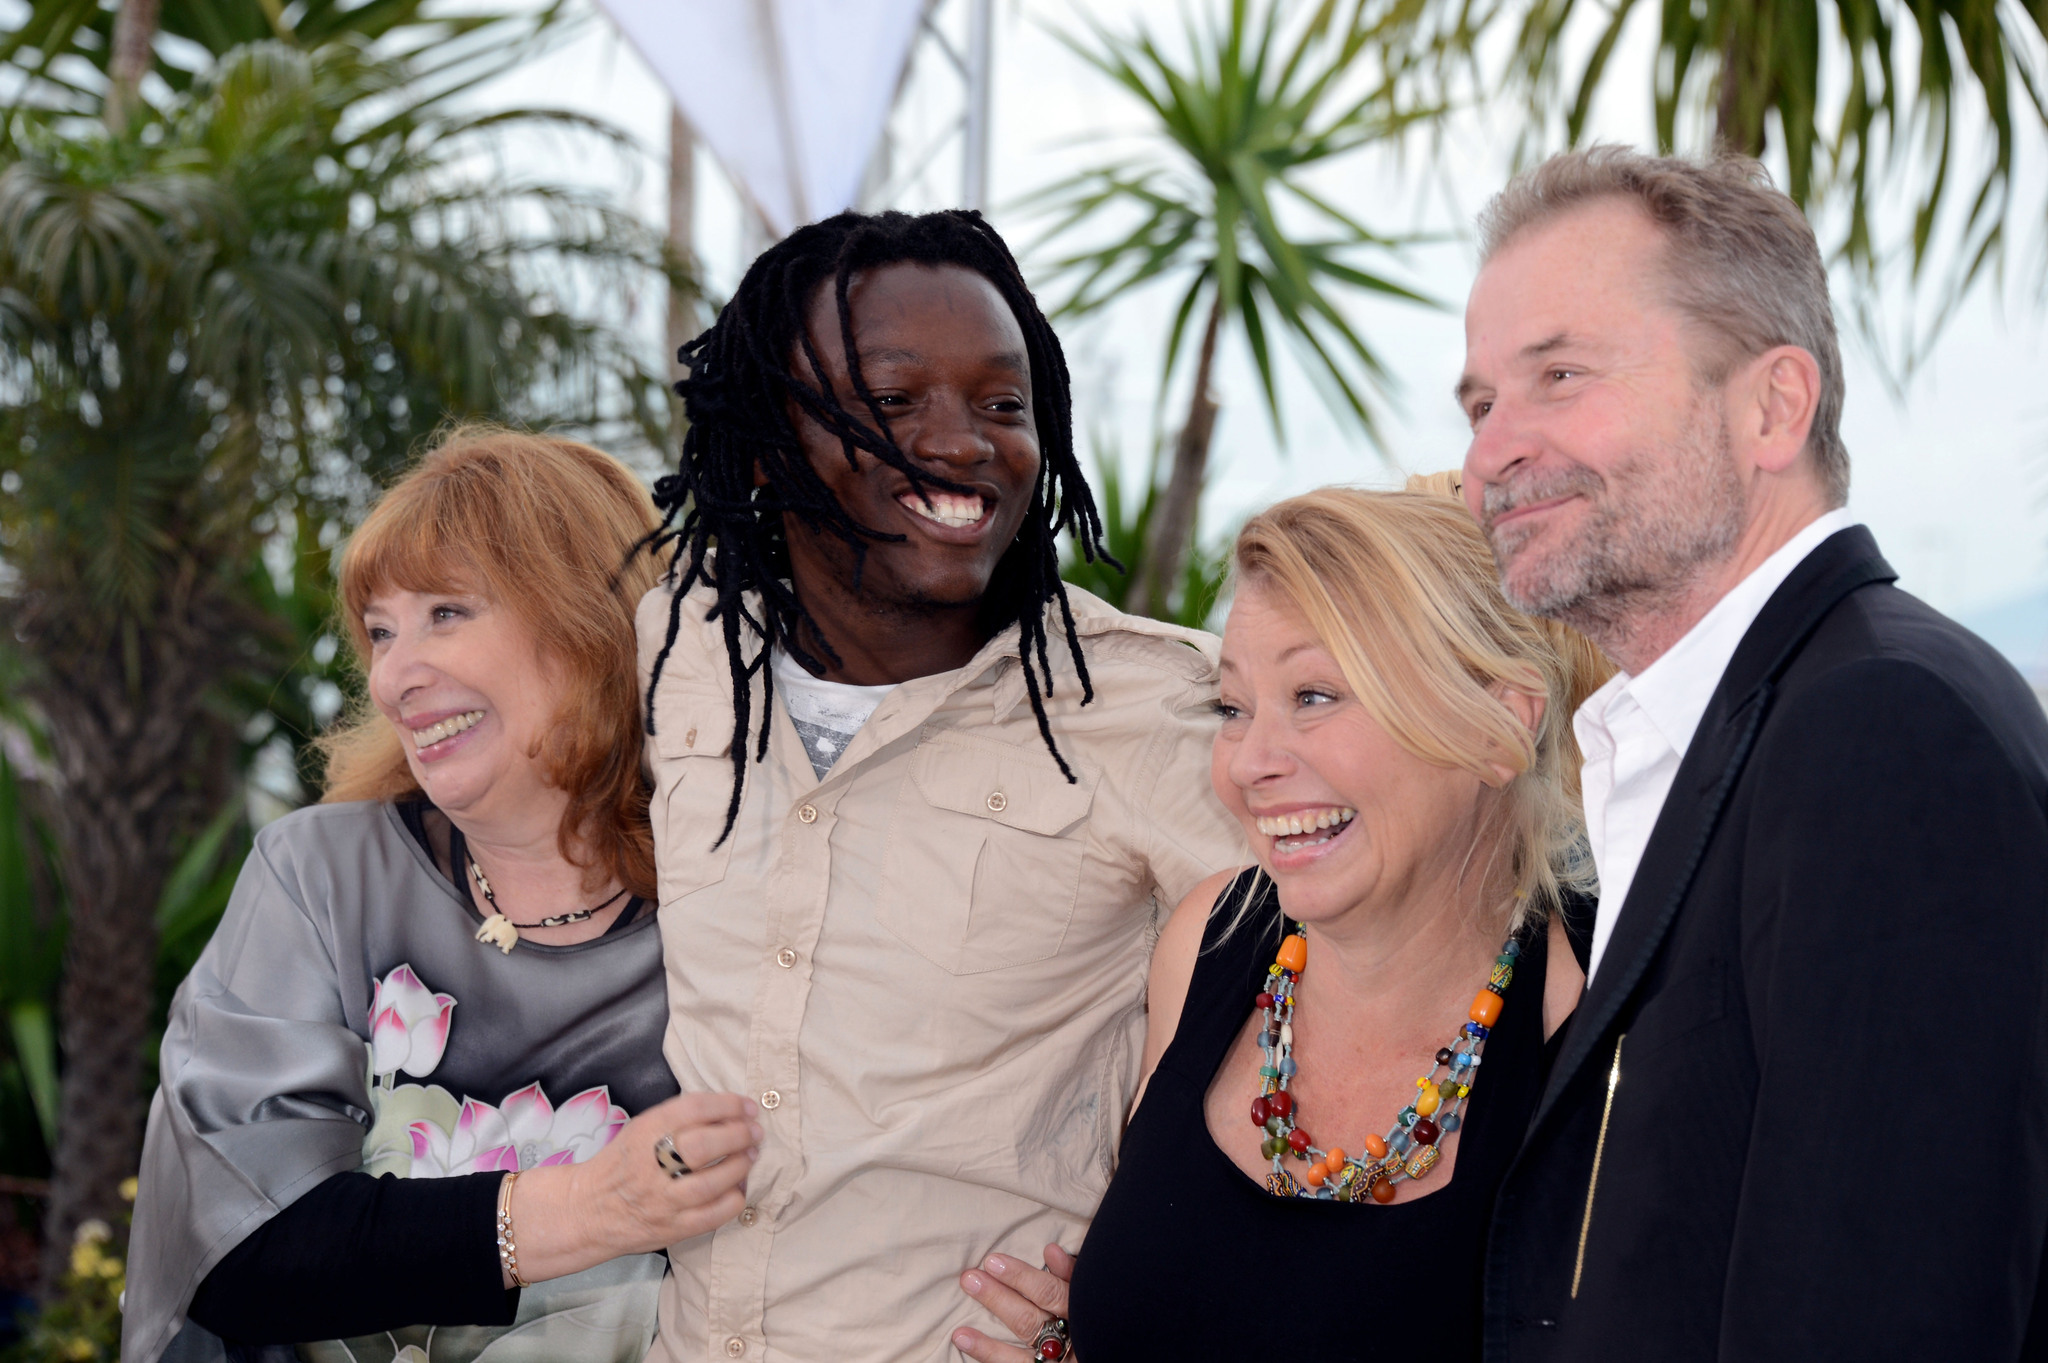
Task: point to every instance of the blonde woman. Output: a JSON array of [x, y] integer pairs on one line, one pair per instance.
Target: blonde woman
[[413, 1093], [1346, 1040]]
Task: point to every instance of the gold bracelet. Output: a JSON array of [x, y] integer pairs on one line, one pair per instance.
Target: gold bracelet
[[508, 1253]]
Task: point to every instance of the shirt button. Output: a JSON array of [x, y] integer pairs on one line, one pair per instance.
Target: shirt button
[[771, 1100], [749, 1217], [998, 802], [808, 814], [785, 958], [735, 1346]]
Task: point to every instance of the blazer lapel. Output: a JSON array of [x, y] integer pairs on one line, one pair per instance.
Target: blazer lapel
[[1685, 826]]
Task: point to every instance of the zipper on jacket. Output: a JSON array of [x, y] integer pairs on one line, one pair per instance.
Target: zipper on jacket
[[1599, 1149]]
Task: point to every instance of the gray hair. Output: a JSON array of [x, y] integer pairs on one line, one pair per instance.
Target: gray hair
[[1742, 261]]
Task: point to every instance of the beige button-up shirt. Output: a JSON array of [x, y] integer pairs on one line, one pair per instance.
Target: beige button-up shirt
[[928, 968]]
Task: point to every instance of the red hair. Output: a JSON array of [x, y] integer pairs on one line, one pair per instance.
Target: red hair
[[547, 529]]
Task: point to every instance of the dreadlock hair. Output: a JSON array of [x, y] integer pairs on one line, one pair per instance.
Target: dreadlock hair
[[720, 529]]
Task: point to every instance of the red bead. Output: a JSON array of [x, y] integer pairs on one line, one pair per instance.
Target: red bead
[[1297, 1140], [1425, 1132], [1280, 1104], [1052, 1350], [1263, 1001], [1262, 1108]]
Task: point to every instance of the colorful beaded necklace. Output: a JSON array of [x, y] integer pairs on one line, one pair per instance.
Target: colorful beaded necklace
[[1408, 1151]]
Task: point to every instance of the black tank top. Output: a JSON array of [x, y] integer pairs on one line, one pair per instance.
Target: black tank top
[[1188, 1258]]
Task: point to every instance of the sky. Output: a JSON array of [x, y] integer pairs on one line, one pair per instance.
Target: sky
[[1951, 475]]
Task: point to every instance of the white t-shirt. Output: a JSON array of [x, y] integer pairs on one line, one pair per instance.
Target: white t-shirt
[[827, 714]]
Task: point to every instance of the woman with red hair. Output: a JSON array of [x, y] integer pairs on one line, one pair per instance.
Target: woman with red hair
[[399, 1098]]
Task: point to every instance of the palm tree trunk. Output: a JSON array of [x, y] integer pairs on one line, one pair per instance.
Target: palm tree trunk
[[128, 62], [1172, 531], [140, 765], [1732, 130]]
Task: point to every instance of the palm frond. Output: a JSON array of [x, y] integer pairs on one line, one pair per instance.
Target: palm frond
[[274, 297], [1866, 101], [1263, 93]]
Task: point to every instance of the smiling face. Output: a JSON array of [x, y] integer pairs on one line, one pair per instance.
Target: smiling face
[[1600, 465], [1337, 812], [945, 360], [460, 679]]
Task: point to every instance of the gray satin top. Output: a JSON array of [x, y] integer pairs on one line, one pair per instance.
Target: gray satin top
[[277, 1072]]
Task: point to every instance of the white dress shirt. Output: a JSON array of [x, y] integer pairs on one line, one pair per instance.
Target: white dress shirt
[[1634, 731]]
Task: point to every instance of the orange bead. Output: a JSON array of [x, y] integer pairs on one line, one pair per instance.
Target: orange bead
[[1383, 1191], [1294, 953], [1486, 1008], [1314, 1175], [1335, 1160], [1426, 1102], [1375, 1147]]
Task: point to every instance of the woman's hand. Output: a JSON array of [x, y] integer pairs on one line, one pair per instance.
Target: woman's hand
[[569, 1217], [1019, 1296]]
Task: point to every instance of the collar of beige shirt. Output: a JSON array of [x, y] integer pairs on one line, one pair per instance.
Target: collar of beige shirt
[[693, 713]]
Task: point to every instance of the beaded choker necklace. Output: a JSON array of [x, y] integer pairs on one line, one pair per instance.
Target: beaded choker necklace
[[1410, 1149]]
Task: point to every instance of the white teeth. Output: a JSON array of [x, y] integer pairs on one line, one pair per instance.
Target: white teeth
[[1294, 825], [946, 508], [447, 728]]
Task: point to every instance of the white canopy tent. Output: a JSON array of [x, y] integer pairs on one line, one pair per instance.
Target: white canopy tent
[[791, 96]]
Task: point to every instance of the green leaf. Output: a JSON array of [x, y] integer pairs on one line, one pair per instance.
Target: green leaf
[[35, 1050], [197, 887]]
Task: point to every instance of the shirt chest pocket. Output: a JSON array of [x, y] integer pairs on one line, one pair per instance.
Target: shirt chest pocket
[[983, 861], [690, 760]]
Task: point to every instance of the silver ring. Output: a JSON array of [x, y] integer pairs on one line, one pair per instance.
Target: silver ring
[[669, 1158], [1052, 1341]]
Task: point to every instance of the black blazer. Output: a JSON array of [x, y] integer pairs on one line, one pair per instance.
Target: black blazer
[[1802, 1110]]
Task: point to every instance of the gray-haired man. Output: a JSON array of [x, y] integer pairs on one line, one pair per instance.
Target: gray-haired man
[[1802, 1111]]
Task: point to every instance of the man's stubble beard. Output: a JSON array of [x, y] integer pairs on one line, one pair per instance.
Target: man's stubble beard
[[1656, 523]]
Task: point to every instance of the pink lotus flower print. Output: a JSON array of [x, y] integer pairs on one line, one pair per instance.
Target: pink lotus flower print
[[480, 1142], [408, 1026], [526, 1131]]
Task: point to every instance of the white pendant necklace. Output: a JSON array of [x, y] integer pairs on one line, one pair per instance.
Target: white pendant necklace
[[502, 933]]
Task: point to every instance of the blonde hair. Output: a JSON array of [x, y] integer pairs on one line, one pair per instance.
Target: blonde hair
[[548, 530], [1401, 588]]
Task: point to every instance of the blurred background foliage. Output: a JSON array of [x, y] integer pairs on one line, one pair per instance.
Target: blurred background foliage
[[1219, 204], [237, 290]]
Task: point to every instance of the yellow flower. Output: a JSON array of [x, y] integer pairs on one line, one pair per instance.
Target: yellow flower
[[128, 1189], [81, 1348], [111, 1267], [86, 1259]]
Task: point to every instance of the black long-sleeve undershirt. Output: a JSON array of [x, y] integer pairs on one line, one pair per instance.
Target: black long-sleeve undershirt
[[357, 1255]]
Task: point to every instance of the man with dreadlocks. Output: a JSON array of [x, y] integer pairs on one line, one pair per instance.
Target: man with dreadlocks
[[916, 803]]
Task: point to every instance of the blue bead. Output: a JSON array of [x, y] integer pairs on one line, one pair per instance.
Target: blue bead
[[1267, 1041], [1473, 1029], [1399, 1142], [1461, 1060], [1512, 949], [1448, 1125], [1287, 1066]]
